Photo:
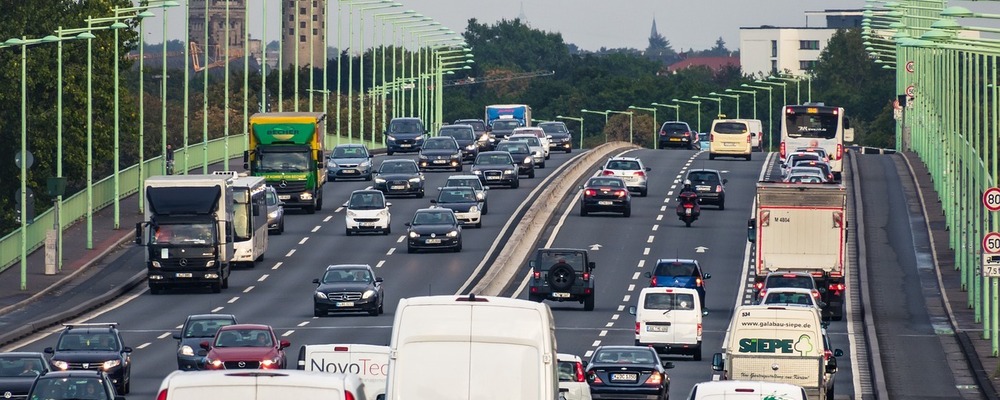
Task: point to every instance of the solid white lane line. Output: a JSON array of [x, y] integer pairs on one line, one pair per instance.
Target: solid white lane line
[[401, 239], [143, 346], [277, 265], [233, 300], [262, 278], [217, 309], [380, 264], [635, 275], [656, 227], [603, 333], [631, 288], [392, 250], [290, 252], [286, 334], [327, 219], [316, 229], [248, 289], [301, 324], [303, 241], [164, 335], [650, 240]]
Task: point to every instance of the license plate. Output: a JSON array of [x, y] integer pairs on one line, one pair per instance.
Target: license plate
[[367, 224], [184, 275], [624, 377], [433, 241], [405, 145], [345, 304], [729, 144], [284, 197], [563, 295], [657, 328], [349, 171], [701, 188], [397, 187], [493, 178], [604, 203], [439, 161], [675, 139]]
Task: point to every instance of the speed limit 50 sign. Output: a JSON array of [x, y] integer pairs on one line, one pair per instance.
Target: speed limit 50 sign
[[991, 199], [991, 243]]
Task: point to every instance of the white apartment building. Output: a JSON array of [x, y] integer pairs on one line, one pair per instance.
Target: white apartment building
[[767, 50]]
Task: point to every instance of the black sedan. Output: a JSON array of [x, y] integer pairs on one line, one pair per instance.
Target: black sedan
[[606, 193], [348, 287], [559, 137], [521, 153], [19, 370], [400, 178], [440, 152], [710, 185], [434, 228], [464, 202], [196, 329], [496, 168], [632, 372]]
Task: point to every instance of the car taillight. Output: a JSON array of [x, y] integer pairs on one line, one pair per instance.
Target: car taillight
[[686, 134], [663, 133], [620, 193], [639, 173], [537, 274], [699, 329], [595, 379], [654, 379], [815, 293], [608, 172], [718, 188], [781, 149], [748, 138], [348, 395], [162, 395], [763, 293], [697, 282], [586, 276], [636, 328], [837, 287], [758, 285], [589, 192], [688, 205], [652, 282], [827, 354], [579, 372], [840, 152], [711, 137]]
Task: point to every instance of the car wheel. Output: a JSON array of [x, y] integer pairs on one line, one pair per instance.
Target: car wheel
[[516, 184], [458, 168], [722, 204], [155, 289], [459, 247], [643, 192], [388, 152], [319, 312], [531, 174], [347, 231], [748, 156], [410, 250], [368, 178], [217, 287], [561, 277], [319, 202], [381, 308], [281, 225], [627, 213], [225, 282], [837, 317], [310, 209], [387, 230], [588, 303], [331, 179], [711, 156], [479, 224], [373, 312], [420, 195], [542, 165], [486, 208], [569, 150], [536, 298], [687, 224], [583, 211], [829, 393], [697, 353]]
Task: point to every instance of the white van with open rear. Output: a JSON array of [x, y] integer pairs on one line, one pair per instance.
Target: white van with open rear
[[669, 320], [260, 385], [472, 347]]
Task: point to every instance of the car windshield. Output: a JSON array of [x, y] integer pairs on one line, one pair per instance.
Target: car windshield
[[61, 388], [549, 259], [366, 201], [406, 126], [347, 275], [676, 269], [398, 168], [465, 182], [567, 371], [668, 301], [736, 128], [622, 165], [457, 196], [530, 140], [615, 183], [506, 125], [494, 159], [349, 152], [271, 198], [440, 144], [476, 125], [625, 356], [23, 366], [86, 341], [206, 328], [805, 179], [703, 178], [553, 127], [513, 148], [803, 282], [280, 161], [182, 234], [671, 128], [458, 133], [244, 338], [788, 298], [433, 218]]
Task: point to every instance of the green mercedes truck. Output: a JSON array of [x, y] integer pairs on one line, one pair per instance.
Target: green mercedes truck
[[287, 150]]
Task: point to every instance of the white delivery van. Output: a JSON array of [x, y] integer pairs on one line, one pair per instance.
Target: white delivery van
[[368, 362], [472, 347], [756, 134], [260, 385], [669, 320], [745, 390]]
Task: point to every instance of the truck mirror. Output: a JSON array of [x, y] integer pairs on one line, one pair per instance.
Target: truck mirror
[[631, 310], [838, 353], [592, 265], [752, 230], [138, 233], [229, 231], [718, 364], [246, 157], [531, 263]]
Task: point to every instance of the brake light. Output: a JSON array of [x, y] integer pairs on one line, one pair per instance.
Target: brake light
[[781, 149], [815, 293], [348, 395], [788, 276], [688, 205], [608, 172], [654, 379], [589, 192], [579, 372], [620, 193], [537, 274], [763, 293], [686, 134], [840, 152], [837, 287], [652, 282], [748, 138], [586, 276], [639, 173], [663, 133], [595, 379], [711, 137], [699, 329], [162, 395], [341, 348], [758, 285], [827, 354], [636, 328]]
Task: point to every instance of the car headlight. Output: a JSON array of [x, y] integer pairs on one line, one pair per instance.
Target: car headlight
[[390, 137], [415, 180], [60, 365], [379, 180], [321, 295], [365, 164], [473, 209], [272, 214], [368, 294], [331, 164], [186, 350], [419, 138], [111, 364], [270, 363], [539, 154], [383, 214], [414, 235], [471, 147], [455, 156], [306, 196], [156, 264], [351, 214], [477, 172], [480, 195], [213, 363], [453, 234], [508, 172], [527, 160]]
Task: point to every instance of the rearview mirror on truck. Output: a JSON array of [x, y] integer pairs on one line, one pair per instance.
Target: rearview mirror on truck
[[718, 364], [138, 233], [752, 230]]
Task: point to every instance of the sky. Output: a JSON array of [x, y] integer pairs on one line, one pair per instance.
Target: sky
[[589, 24]]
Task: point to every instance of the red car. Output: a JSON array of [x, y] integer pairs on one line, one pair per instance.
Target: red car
[[245, 346]]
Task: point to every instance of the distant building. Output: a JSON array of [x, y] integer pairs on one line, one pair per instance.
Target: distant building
[[771, 49], [303, 25], [217, 47], [715, 64]]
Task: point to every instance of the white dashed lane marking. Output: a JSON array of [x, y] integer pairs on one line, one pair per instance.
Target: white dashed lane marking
[[650, 240], [290, 252], [631, 288], [316, 229], [588, 354], [645, 251], [642, 263], [663, 208], [164, 335], [248, 289], [603, 333], [392, 250], [327, 219], [143, 346], [233, 300], [635, 275], [615, 316], [277, 265], [301, 324], [656, 227], [621, 308], [217, 309], [401, 239], [262, 278], [609, 324], [287, 333], [339, 209], [596, 343], [303, 241], [380, 264], [659, 217]]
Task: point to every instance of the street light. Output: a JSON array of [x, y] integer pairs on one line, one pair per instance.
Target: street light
[[605, 114], [784, 95], [750, 92], [798, 86], [732, 96], [630, 132], [577, 119], [770, 111], [698, 103], [715, 99], [655, 126]]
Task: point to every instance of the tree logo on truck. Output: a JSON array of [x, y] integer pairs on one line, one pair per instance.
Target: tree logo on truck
[[804, 345]]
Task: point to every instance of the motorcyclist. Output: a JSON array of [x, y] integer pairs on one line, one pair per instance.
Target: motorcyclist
[[688, 188], [688, 195]]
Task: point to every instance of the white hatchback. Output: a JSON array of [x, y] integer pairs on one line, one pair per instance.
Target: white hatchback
[[572, 380], [367, 211]]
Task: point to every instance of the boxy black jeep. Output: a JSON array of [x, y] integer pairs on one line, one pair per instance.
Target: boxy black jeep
[[562, 275]]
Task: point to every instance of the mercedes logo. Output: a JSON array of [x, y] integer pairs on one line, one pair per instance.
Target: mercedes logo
[[242, 364], [183, 262], [283, 183]]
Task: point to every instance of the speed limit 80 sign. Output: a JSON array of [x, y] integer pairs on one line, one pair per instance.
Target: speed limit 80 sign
[[991, 199]]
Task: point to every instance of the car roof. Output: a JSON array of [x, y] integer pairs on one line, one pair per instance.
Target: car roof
[[76, 373], [456, 188], [623, 347], [568, 357], [678, 260], [372, 191], [468, 120], [245, 326], [346, 266], [349, 145], [92, 327], [704, 170], [399, 160], [210, 316], [463, 126], [435, 209], [405, 119], [624, 158]]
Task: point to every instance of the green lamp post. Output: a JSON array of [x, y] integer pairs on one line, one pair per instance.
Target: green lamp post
[[770, 111], [698, 103], [784, 95], [655, 126], [717, 100], [577, 119], [750, 92], [605, 114], [732, 96]]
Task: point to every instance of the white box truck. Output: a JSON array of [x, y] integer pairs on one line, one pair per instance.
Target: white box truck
[[472, 347], [368, 362], [188, 231], [802, 228], [777, 344]]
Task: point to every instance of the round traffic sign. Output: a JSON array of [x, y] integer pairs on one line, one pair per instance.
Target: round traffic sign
[[991, 242], [910, 66], [991, 199], [911, 91]]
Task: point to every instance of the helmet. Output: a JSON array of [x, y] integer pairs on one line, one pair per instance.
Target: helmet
[[687, 182]]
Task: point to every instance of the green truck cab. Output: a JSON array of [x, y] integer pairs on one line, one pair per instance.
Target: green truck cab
[[287, 150]]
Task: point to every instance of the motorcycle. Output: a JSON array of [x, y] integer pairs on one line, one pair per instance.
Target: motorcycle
[[688, 208]]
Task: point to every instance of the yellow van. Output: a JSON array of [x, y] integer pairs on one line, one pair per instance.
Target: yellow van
[[730, 138]]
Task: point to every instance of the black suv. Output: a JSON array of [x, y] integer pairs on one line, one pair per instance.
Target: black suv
[[678, 134], [562, 275], [94, 347], [90, 385], [196, 329], [404, 135]]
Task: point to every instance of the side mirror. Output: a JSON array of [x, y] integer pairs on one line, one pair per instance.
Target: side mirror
[[648, 169], [246, 165], [706, 276], [725, 181], [344, 205], [281, 204], [592, 265], [838, 353], [370, 155], [486, 188], [649, 274], [387, 204], [631, 310], [407, 224], [783, 165], [284, 344], [531, 263], [434, 201], [378, 279], [752, 230], [204, 345], [201, 362], [126, 349], [580, 187], [718, 364], [316, 281], [138, 233], [177, 335], [49, 350], [668, 365]]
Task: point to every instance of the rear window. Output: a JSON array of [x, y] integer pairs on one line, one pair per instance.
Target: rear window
[[736, 128], [676, 269], [476, 125], [674, 127], [703, 177], [788, 298], [505, 125], [802, 282], [548, 259], [668, 301], [623, 165], [567, 371]]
